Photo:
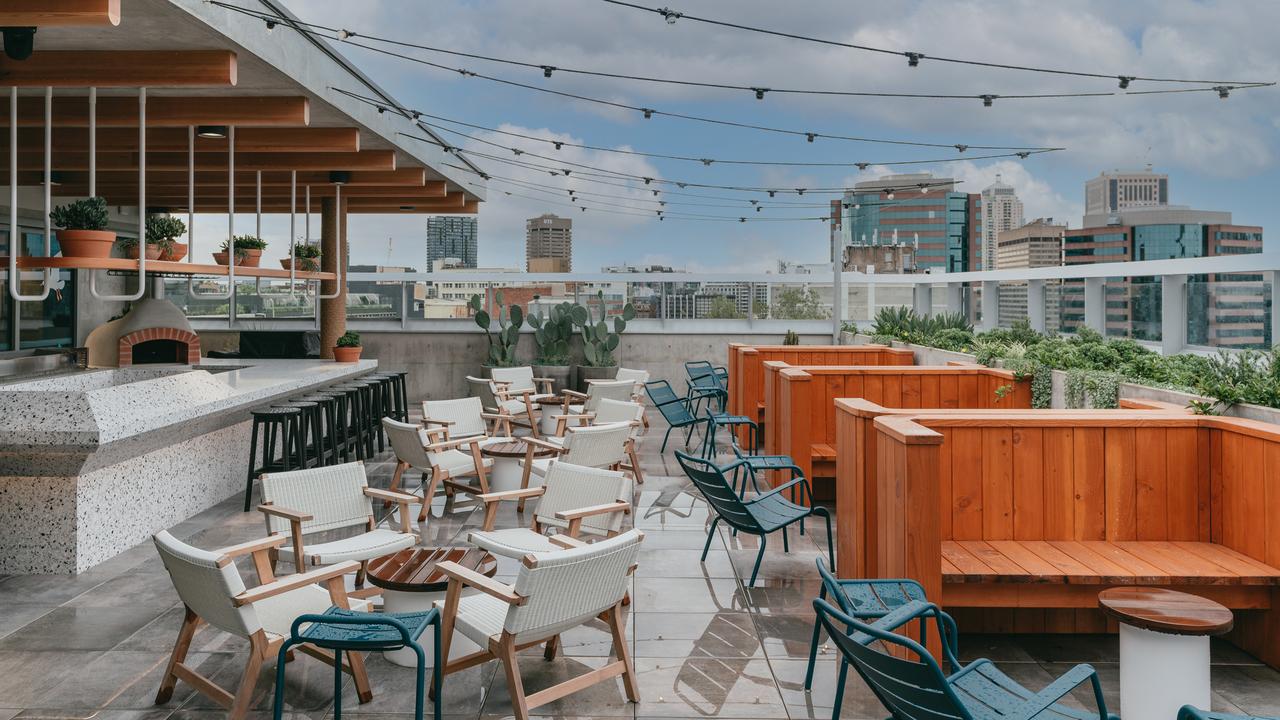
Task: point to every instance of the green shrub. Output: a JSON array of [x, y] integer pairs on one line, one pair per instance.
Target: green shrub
[[86, 214], [163, 230], [350, 338]]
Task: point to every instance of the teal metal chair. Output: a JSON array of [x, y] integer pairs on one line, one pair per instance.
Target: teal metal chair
[[677, 411], [754, 464], [912, 686], [761, 515], [711, 381], [1191, 712], [868, 600], [339, 630]]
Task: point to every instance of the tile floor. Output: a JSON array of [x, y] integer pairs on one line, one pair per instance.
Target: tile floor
[[94, 646]]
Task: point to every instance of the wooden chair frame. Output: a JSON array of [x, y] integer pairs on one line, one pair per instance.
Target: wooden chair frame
[[261, 647], [633, 459], [574, 517], [439, 476], [504, 648], [532, 444]]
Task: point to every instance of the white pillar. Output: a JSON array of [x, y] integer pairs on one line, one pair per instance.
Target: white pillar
[[1173, 314], [955, 297], [1035, 305], [1273, 279], [922, 299], [990, 305], [1095, 304]]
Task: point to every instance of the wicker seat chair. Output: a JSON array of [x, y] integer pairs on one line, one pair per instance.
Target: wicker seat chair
[[517, 407], [609, 412]]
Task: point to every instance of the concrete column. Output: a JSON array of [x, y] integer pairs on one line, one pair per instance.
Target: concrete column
[[333, 249], [1095, 304], [1035, 305], [990, 305], [922, 299], [955, 297], [1173, 314], [1273, 280]]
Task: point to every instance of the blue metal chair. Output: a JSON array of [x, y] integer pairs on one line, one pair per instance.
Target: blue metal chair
[[339, 629], [868, 600], [912, 686], [1191, 712], [759, 516], [677, 411]]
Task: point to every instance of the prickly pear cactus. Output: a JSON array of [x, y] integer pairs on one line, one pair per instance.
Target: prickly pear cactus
[[598, 342], [552, 334], [502, 343]]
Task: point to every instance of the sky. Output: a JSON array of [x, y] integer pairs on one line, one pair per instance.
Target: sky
[[1219, 154]]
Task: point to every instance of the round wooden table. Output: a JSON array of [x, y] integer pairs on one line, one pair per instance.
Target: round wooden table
[[507, 473], [412, 582], [1164, 648]]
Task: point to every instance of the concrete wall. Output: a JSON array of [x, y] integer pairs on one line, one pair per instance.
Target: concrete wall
[[438, 362]]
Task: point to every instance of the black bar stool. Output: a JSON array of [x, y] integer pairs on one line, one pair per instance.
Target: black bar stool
[[359, 396], [340, 430], [284, 424], [312, 431], [328, 403]]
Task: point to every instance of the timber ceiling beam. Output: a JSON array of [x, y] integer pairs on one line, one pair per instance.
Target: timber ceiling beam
[[452, 204], [364, 160], [165, 111], [269, 192], [172, 139], [123, 68], [412, 178], [51, 13]]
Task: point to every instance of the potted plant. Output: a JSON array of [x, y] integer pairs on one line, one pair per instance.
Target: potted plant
[[130, 248], [552, 335], [347, 349], [81, 228], [248, 249], [163, 231], [307, 255], [502, 344], [598, 343]]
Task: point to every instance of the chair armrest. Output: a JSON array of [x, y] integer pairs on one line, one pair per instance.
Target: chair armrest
[[495, 416], [574, 393], [605, 509], [431, 421], [539, 442], [566, 542], [293, 582], [285, 513], [1055, 691], [800, 482], [392, 496], [450, 444], [246, 548], [510, 494], [538, 379], [488, 586], [575, 416]]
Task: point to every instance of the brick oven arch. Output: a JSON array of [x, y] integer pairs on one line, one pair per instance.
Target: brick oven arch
[[190, 339]]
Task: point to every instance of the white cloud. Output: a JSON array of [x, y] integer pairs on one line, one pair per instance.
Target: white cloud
[[1038, 198]]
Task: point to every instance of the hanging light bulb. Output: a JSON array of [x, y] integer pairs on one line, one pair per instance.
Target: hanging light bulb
[[924, 188], [961, 148], [344, 34], [671, 16], [773, 193], [1125, 80], [760, 92], [1023, 155], [987, 100], [271, 25], [862, 165], [1223, 91], [648, 180], [913, 58], [809, 136], [647, 113], [547, 70], [707, 161], [799, 191], [558, 144], [889, 194]]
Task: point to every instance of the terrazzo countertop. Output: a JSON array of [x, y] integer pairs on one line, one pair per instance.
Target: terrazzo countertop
[[72, 424]]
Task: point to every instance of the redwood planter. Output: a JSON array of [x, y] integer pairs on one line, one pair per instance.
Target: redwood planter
[[346, 354], [86, 243], [174, 253], [153, 252]]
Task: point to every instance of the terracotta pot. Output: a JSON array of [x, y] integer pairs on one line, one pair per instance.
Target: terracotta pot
[[250, 258], [153, 252], [175, 253], [220, 258], [346, 354], [304, 264], [86, 243]]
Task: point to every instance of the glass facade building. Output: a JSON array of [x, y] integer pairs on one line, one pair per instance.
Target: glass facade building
[[450, 236], [944, 226]]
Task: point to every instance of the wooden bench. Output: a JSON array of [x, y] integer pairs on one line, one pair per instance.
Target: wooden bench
[[800, 414], [1016, 520], [746, 374]]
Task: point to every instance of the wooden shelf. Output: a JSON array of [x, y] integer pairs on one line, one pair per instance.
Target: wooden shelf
[[161, 267]]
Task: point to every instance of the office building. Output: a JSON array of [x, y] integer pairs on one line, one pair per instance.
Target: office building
[[1036, 244], [1223, 310], [1114, 192], [1001, 211], [548, 244], [942, 225], [452, 238]]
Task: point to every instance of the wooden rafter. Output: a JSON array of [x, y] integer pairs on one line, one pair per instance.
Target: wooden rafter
[[269, 192], [172, 139], [126, 68], [177, 203], [50, 13], [364, 160], [403, 177], [165, 111]]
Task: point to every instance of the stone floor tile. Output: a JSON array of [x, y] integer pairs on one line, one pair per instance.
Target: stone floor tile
[[729, 635], [81, 628], [708, 687]]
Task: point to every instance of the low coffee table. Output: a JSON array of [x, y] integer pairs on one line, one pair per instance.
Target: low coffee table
[[411, 582], [507, 473], [1164, 648]]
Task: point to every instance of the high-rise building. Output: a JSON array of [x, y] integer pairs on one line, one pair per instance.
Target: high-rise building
[[928, 214], [452, 237], [1001, 211], [1114, 192], [548, 244], [1036, 244], [1223, 310]]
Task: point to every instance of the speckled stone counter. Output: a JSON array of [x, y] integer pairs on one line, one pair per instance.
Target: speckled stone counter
[[92, 463]]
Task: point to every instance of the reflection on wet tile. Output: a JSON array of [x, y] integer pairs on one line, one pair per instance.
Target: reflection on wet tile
[[678, 635], [702, 687]]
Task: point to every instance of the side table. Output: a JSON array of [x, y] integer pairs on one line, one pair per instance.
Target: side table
[[507, 473]]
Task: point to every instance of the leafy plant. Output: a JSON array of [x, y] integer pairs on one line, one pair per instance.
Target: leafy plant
[[163, 230], [1205, 407], [795, 303], [552, 334], [598, 343], [502, 344], [250, 242], [86, 214], [307, 256], [350, 338], [791, 338], [723, 308], [129, 243], [1091, 388]]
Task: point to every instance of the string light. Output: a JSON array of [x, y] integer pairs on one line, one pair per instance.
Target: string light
[[913, 58], [670, 15], [1125, 80], [988, 99]]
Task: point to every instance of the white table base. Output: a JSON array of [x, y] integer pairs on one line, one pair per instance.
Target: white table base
[[1159, 673], [395, 601], [505, 474]]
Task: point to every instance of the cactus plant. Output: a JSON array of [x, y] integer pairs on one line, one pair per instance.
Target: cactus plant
[[598, 343], [502, 344], [791, 338], [552, 334]]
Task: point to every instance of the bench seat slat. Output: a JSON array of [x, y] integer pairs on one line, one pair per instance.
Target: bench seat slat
[[1250, 570], [823, 451], [1106, 568], [1001, 564], [1074, 570], [1135, 565], [968, 567], [1180, 564], [1030, 561]]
